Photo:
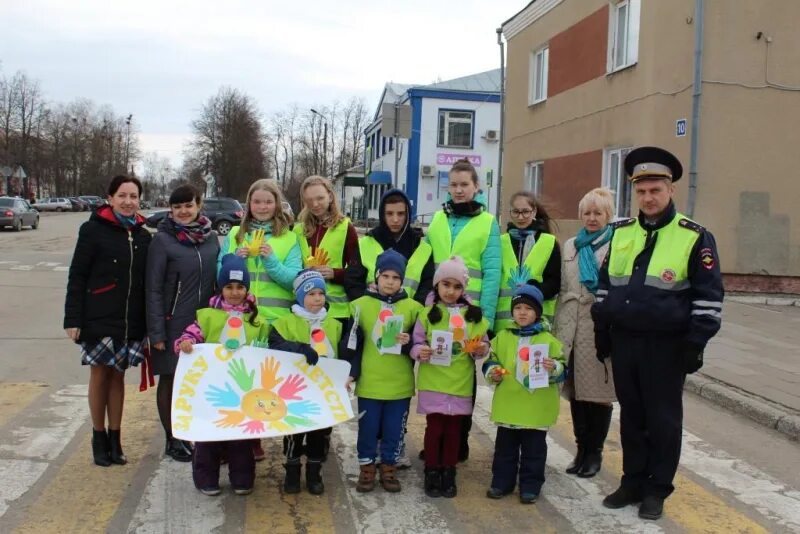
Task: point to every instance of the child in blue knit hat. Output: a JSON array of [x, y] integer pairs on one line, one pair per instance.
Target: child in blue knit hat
[[311, 331], [384, 373], [522, 414]]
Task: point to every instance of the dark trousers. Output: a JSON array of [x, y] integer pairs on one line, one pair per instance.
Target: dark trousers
[[312, 444], [442, 440], [386, 418], [522, 451], [648, 377], [207, 459]]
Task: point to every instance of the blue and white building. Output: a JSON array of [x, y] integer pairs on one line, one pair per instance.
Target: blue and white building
[[450, 120]]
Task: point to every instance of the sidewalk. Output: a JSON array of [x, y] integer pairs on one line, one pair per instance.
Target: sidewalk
[[753, 365]]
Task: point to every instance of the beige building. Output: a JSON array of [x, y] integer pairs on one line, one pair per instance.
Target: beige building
[[589, 79]]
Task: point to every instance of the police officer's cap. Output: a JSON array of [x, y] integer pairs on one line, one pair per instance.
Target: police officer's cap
[[652, 162]]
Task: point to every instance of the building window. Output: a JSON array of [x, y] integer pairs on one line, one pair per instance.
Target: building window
[[623, 29], [455, 128], [391, 144], [534, 177], [537, 90], [615, 179]]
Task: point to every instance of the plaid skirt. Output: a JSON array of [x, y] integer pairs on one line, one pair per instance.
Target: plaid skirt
[[117, 354]]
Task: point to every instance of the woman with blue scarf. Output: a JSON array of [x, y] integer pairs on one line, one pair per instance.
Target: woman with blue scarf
[[590, 387]]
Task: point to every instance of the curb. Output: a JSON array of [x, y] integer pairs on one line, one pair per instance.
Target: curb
[[763, 299], [755, 408]]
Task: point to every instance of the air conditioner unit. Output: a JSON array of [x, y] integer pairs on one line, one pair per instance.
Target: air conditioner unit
[[428, 171], [492, 135]]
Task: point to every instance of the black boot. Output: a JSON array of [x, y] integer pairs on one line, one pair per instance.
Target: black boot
[[115, 450], [578, 410], [100, 448], [314, 478], [291, 484], [599, 419], [433, 482], [449, 489], [176, 450], [463, 449]]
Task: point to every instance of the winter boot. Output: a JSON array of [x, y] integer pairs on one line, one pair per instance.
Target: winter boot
[[101, 448], [599, 419], [366, 478], [291, 483], [579, 428], [433, 482], [176, 450], [389, 478], [115, 448], [449, 489], [314, 477]]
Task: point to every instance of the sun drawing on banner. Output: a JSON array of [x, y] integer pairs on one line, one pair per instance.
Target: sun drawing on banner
[[256, 407]]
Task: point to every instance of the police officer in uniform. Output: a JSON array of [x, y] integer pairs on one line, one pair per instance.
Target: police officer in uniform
[[658, 304]]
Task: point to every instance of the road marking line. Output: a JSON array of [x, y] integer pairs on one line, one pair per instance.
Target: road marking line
[[61, 268], [18, 476], [22, 268], [88, 496], [408, 511], [48, 263], [49, 430]]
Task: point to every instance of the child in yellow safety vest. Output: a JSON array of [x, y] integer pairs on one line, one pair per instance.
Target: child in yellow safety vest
[[526, 363], [449, 335]]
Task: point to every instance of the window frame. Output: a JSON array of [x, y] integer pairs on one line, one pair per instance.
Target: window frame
[[439, 126], [534, 79], [619, 182], [632, 30], [534, 181]]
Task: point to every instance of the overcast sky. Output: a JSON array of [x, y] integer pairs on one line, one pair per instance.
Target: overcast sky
[[159, 60]]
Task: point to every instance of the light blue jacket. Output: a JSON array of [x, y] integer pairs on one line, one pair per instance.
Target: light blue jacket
[[491, 259], [283, 273]]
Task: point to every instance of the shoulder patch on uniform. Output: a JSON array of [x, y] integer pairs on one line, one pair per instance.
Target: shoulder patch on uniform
[[623, 222], [691, 225]]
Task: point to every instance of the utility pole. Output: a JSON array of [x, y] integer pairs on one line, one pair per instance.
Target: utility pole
[[396, 179], [128, 141]]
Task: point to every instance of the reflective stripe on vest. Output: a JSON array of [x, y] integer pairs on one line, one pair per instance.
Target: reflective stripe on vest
[[669, 265], [469, 245], [416, 264], [369, 249], [272, 299], [536, 261], [333, 243]]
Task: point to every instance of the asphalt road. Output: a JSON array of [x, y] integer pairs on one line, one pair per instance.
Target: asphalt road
[[735, 476]]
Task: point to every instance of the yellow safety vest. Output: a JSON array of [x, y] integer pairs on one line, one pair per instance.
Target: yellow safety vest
[[536, 261], [370, 249], [669, 265], [333, 244], [273, 301], [469, 245]]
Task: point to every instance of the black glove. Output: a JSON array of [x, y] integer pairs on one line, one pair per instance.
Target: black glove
[[692, 358], [602, 342], [311, 355]]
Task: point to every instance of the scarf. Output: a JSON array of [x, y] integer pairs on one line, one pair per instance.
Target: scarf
[[259, 225], [541, 325], [587, 243], [194, 233], [126, 222], [465, 209], [526, 237], [314, 319]]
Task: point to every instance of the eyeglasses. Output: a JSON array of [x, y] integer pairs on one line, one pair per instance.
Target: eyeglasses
[[521, 213]]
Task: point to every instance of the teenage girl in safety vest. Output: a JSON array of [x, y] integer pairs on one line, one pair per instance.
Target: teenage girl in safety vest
[[465, 228], [272, 252], [328, 242], [530, 253]]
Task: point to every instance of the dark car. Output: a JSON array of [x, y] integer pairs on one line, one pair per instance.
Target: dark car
[[92, 200], [225, 213], [78, 204], [16, 213]]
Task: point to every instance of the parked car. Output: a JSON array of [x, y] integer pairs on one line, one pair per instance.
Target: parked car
[[53, 204], [225, 213], [78, 204], [92, 200], [16, 213]]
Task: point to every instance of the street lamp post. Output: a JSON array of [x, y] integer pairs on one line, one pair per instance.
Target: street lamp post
[[128, 140]]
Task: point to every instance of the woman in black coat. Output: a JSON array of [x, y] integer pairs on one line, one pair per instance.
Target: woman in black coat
[[104, 309], [181, 271]]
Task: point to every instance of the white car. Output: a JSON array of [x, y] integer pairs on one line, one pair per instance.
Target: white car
[[53, 204]]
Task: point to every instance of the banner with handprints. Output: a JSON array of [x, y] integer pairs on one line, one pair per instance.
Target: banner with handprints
[[252, 392]]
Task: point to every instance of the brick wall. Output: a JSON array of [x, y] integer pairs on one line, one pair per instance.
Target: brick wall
[[579, 53]]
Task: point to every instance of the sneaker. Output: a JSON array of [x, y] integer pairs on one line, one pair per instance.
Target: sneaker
[[403, 462], [496, 493], [651, 508], [210, 491], [528, 498], [622, 498], [243, 491]]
